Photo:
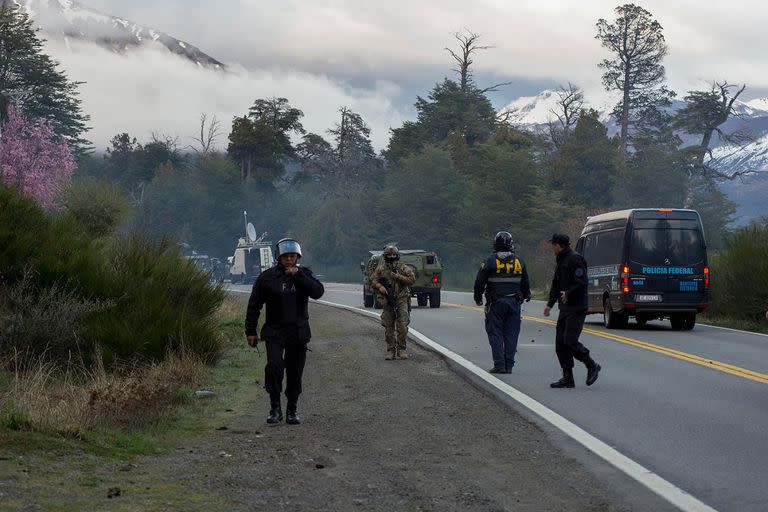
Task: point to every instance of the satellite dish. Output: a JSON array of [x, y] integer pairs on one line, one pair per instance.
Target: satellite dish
[[251, 232]]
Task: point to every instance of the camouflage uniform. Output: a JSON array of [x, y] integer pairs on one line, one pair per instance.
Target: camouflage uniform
[[396, 277]]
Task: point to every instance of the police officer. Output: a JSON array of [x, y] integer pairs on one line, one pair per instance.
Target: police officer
[[569, 290], [285, 289], [503, 279], [392, 279]]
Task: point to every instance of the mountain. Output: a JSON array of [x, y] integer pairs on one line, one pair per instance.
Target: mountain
[[69, 20]]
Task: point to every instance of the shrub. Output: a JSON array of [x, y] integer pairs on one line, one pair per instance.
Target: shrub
[[740, 275], [97, 207]]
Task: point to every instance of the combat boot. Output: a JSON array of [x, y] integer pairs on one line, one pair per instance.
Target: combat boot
[[566, 381], [496, 369], [275, 412], [402, 354], [291, 415], [390, 355], [593, 369]]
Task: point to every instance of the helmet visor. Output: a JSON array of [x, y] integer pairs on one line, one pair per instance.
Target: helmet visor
[[287, 247]]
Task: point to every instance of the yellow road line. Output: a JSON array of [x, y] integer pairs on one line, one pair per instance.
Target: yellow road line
[[677, 354]]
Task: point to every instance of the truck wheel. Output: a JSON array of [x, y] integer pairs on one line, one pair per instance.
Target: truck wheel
[[421, 300], [689, 321], [368, 300], [612, 319], [434, 299], [677, 321]]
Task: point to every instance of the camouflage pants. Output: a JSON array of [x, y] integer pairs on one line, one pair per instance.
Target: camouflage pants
[[400, 325]]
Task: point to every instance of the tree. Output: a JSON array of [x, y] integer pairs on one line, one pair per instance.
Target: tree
[[637, 43], [468, 46], [354, 158], [209, 133], [570, 102], [33, 82], [258, 148], [281, 117], [703, 114], [33, 160], [585, 165]]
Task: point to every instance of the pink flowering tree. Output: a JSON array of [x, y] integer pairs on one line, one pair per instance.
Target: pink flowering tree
[[33, 160]]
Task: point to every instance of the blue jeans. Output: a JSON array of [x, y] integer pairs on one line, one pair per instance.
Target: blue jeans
[[502, 323]]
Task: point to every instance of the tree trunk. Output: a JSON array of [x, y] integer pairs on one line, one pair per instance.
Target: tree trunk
[[625, 113]]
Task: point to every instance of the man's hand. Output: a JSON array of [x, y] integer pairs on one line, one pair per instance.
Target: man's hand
[[563, 297], [479, 302], [253, 340], [383, 290], [547, 310], [292, 271]]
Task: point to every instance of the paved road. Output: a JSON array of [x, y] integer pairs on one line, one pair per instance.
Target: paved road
[[690, 406]]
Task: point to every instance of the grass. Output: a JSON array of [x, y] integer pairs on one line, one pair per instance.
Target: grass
[[33, 421]]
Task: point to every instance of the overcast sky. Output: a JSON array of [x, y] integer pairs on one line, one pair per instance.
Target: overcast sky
[[379, 55]]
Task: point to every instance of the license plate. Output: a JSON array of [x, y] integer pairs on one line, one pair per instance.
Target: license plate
[[648, 298]]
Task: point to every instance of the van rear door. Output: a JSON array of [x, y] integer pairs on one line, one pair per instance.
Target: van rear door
[[667, 257]]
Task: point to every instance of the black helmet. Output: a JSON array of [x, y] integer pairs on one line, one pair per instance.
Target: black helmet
[[503, 242], [287, 246]]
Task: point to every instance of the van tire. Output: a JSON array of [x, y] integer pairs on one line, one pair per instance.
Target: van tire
[[689, 321], [612, 319], [421, 300], [677, 321], [434, 299]]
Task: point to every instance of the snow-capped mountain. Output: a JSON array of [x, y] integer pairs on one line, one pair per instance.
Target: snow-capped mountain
[[70, 20]]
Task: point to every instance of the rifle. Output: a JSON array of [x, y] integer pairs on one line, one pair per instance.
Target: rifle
[[391, 288]]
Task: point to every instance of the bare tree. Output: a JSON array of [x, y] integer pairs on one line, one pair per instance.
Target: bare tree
[[468, 46], [570, 104], [209, 133]]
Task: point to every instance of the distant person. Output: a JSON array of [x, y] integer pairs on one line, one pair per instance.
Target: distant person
[[569, 290], [285, 289], [392, 279], [503, 279]]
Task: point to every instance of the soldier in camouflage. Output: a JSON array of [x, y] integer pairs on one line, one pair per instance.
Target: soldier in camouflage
[[392, 280]]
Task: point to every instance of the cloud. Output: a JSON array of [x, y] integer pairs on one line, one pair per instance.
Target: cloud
[[402, 41], [150, 90]]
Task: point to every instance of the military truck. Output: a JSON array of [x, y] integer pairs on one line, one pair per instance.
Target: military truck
[[426, 266]]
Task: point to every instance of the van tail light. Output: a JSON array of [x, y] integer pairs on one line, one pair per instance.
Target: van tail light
[[706, 277], [435, 279], [625, 279]]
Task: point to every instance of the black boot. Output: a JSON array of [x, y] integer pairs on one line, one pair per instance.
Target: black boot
[[275, 412], [566, 381], [593, 369], [292, 417]]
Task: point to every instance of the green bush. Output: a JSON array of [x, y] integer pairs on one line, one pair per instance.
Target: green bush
[[740, 275], [132, 297], [97, 207]]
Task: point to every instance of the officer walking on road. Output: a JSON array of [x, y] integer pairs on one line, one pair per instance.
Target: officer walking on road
[[503, 279], [392, 280], [569, 290], [285, 289]]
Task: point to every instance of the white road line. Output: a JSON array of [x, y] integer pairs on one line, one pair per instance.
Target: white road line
[[637, 472]]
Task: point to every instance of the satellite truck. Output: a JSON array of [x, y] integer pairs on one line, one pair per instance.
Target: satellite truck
[[253, 255]]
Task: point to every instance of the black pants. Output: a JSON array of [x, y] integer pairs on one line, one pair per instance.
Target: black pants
[[567, 346], [285, 358]]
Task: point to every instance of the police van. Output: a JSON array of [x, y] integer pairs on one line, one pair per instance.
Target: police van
[[647, 264]]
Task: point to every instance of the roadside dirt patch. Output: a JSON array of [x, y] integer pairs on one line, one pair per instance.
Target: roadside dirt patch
[[377, 435]]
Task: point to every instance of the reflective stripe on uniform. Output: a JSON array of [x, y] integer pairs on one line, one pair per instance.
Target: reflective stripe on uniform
[[509, 279]]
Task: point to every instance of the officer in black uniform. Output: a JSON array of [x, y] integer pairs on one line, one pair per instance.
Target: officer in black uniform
[[569, 290], [285, 289], [503, 279]]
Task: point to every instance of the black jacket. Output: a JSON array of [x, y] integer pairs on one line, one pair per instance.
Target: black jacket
[[502, 275], [286, 298], [570, 277]]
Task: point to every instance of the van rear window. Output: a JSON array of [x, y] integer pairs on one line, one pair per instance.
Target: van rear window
[[682, 247]]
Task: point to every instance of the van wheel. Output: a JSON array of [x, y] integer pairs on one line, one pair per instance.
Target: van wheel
[[612, 319], [368, 300], [689, 321], [434, 299], [421, 300], [677, 321]]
